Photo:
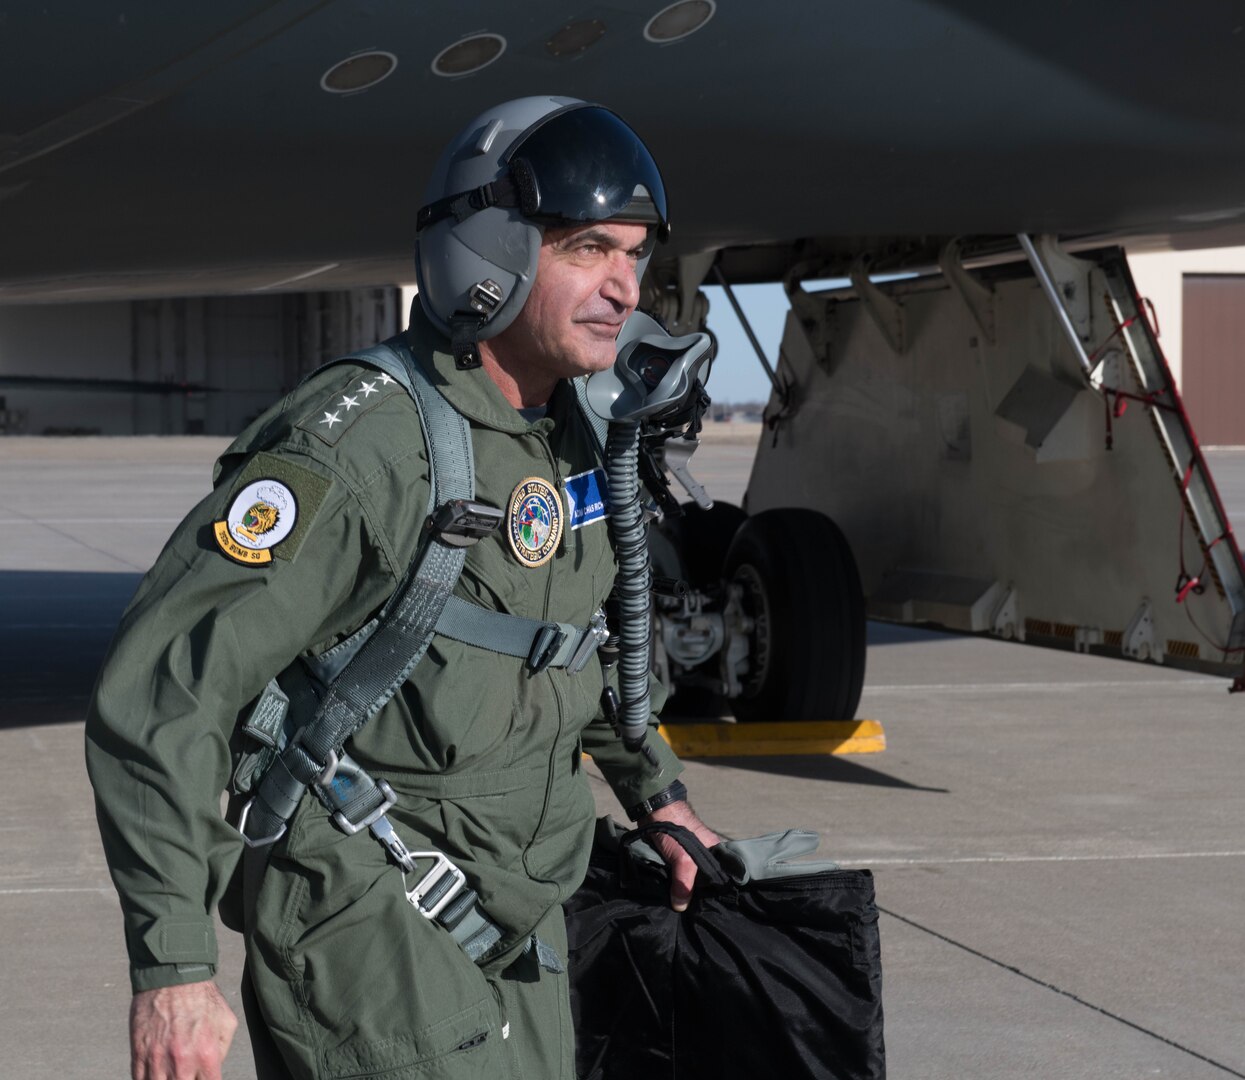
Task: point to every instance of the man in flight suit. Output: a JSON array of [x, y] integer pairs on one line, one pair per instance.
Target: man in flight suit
[[548, 209]]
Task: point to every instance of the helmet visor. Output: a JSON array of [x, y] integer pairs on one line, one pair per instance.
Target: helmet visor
[[585, 164]]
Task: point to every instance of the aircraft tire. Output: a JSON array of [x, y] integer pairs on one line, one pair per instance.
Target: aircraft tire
[[802, 590]]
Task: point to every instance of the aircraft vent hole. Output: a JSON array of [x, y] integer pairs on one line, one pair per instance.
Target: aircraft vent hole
[[358, 72], [679, 20], [468, 56], [574, 38]]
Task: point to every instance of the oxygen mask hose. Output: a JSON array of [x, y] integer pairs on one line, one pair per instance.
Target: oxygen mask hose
[[633, 583], [652, 381]]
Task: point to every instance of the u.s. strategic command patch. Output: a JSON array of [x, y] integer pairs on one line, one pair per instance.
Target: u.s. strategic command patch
[[535, 521], [261, 515]]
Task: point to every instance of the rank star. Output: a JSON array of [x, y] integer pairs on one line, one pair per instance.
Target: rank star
[[367, 389], [331, 418], [349, 402], [385, 379]]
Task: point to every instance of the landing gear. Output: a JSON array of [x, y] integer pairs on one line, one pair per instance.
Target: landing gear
[[772, 625], [693, 630], [793, 579]]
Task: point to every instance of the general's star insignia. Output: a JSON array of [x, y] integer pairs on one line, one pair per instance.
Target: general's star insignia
[[349, 402], [367, 389], [331, 418], [385, 378]]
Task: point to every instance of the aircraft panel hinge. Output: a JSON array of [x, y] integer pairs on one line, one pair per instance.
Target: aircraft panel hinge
[[978, 298], [693, 304], [819, 318], [1139, 636], [1006, 621], [886, 311]]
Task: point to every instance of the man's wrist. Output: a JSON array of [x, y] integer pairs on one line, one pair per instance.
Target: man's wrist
[[675, 792]]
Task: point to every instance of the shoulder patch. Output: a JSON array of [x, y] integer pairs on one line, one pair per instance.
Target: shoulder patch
[[334, 415], [273, 505]]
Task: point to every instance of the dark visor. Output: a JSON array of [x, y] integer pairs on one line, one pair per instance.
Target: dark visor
[[585, 164]]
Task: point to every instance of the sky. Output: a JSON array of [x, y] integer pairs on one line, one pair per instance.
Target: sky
[[737, 374]]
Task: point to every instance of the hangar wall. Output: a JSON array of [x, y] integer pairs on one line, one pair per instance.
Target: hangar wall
[[200, 365], [1201, 341]]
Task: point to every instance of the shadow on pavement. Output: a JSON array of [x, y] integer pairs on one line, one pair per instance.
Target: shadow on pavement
[[838, 770], [55, 628], [884, 633]]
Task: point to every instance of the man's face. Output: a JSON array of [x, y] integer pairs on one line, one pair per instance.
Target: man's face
[[585, 289]]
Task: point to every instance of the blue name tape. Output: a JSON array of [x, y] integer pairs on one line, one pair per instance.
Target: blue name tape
[[587, 498]]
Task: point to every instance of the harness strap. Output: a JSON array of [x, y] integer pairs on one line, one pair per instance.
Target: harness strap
[[406, 623], [543, 644], [357, 801]]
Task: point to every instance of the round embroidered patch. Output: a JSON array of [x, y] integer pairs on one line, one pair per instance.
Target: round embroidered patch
[[261, 515], [535, 521]]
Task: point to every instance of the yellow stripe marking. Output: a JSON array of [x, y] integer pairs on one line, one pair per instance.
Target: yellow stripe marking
[[757, 740]]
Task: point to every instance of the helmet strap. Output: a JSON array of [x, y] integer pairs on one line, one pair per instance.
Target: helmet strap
[[464, 340], [460, 207]]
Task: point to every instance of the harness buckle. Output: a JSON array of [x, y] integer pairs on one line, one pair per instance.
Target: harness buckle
[[351, 827], [262, 841], [463, 522], [437, 887], [545, 646], [383, 830], [594, 637]]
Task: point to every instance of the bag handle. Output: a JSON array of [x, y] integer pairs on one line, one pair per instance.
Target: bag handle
[[688, 841]]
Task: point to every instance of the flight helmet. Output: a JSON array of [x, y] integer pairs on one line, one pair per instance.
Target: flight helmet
[[515, 169]]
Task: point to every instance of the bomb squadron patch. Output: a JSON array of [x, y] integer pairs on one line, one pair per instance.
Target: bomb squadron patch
[[535, 521], [261, 515]]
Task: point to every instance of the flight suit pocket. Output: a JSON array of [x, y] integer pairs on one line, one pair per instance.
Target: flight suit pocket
[[373, 988]]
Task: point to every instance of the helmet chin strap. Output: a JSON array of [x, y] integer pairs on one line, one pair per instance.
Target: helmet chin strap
[[465, 342], [485, 297]]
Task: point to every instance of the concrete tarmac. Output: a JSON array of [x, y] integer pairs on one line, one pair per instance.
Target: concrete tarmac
[[1057, 839]]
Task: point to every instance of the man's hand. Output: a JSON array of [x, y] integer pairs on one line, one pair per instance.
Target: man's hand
[[682, 868], [180, 1032]]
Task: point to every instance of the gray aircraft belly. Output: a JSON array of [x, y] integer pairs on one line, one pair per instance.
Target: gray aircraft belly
[[199, 152]]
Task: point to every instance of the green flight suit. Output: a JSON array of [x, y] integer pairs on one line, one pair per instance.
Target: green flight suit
[[484, 757]]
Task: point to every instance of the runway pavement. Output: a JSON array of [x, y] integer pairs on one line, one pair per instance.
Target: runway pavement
[[1057, 838]]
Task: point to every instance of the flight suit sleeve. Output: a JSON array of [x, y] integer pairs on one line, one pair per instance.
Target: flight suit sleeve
[[202, 636], [631, 776]]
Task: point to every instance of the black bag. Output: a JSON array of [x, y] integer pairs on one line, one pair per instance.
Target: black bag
[[773, 971]]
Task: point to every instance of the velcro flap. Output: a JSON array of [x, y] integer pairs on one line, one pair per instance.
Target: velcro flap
[[181, 941]]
